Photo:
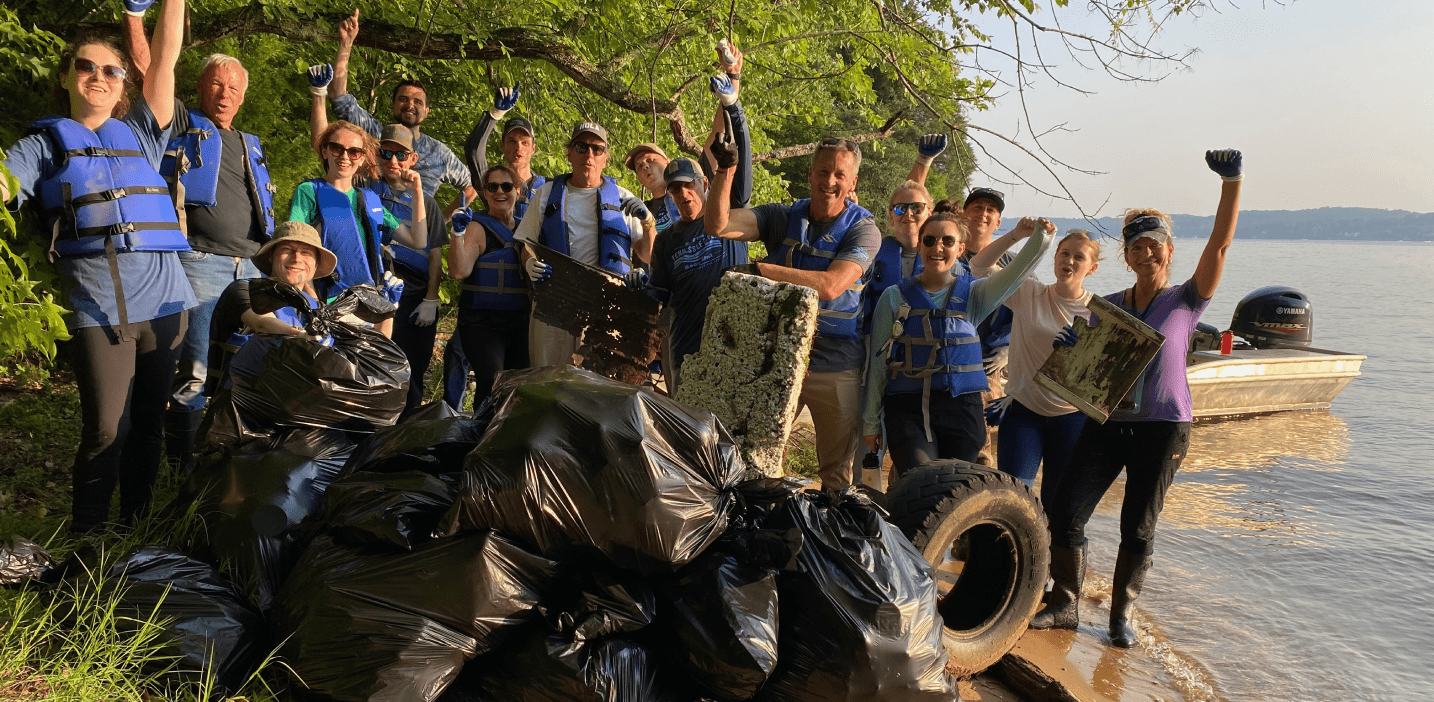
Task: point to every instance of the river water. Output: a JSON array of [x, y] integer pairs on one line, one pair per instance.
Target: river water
[[1295, 556]]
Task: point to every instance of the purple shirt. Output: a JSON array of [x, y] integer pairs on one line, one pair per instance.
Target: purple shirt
[[1162, 391]]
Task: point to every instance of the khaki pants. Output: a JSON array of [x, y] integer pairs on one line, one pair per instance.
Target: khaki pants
[[551, 346], [834, 400]]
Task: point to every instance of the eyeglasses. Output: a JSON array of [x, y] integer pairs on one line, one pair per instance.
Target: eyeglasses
[[584, 147], [389, 155], [111, 73], [505, 186], [900, 208], [929, 241], [336, 150]]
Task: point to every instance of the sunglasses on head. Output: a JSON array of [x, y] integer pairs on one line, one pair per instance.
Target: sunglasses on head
[[505, 186], [85, 66], [389, 155], [584, 147], [336, 150], [900, 208], [946, 240]]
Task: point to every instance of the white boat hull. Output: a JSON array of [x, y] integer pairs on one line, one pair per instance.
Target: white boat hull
[[1260, 381]]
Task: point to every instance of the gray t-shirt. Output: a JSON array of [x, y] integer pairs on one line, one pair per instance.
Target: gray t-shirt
[[229, 228]]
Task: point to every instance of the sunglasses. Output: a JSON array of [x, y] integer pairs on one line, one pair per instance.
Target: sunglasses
[[946, 240], [85, 66], [584, 147], [505, 186], [901, 208], [389, 155], [336, 150]]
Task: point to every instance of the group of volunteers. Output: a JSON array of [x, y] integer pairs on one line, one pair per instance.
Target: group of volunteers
[[160, 213]]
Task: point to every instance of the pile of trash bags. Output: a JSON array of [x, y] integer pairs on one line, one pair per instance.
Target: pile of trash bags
[[580, 540]]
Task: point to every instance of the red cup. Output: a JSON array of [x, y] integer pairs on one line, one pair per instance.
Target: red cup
[[1227, 343]]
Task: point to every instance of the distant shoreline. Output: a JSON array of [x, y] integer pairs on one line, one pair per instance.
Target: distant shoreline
[[1348, 224]]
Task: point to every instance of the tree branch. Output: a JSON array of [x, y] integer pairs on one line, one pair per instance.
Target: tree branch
[[804, 149]]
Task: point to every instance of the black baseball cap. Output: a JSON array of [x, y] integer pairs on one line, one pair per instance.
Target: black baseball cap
[[681, 170], [995, 196], [519, 123]]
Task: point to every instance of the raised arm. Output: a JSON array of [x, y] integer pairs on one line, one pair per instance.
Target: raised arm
[[159, 80], [468, 242], [348, 32], [319, 79], [135, 42], [719, 218], [1227, 163], [928, 147], [988, 256], [987, 294], [475, 148], [414, 232]]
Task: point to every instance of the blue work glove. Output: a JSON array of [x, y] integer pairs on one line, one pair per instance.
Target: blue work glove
[[1226, 162], [636, 209], [137, 7], [461, 219], [505, 100], [392, 287], [725, 89], [930, 146], [636, 278], [1067, 337], [319, 78], [996, 410], [538, 271]]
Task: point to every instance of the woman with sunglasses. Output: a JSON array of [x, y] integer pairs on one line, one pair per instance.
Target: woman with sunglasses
[[114, 237], [925, 377], [493, 312], [1149, 432], [352, 221]]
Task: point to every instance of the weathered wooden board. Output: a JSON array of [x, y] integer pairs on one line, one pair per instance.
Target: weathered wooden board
[[1098, 372]]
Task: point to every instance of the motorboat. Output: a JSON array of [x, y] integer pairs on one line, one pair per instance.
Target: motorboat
[[1273, 368]]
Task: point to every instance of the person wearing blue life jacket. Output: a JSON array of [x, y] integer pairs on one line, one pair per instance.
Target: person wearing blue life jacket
[[114, 237], [925, 377], [518, 143], [908, 209], [982, 210], [414, 324], [352, 221], [825, 243], [648, 161], [493, 312], [295, 256], [587, 216]]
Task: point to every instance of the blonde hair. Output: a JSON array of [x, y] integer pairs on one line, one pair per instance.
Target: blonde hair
[[914, 187], [1081, 235]]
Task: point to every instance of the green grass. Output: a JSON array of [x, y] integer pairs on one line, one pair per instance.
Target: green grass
[[801, 458]]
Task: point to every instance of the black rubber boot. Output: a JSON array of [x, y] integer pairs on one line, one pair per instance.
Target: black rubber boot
[[180, 428], [1130, 571], [1062, 610]]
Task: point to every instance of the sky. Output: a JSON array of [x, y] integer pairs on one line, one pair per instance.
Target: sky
[[1332, 106]]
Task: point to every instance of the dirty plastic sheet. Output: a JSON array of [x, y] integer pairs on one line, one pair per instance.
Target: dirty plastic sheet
[[578, 466], [397, 510], [430, 445], [252, 497], [858, 616], [366, 625], [719, 618], [211, 630], [22, 560]]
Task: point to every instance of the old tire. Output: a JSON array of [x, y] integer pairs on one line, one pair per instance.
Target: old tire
[[984, 534]]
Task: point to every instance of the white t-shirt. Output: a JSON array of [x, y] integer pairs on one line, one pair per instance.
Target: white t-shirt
[[582, 213], [1039, 314]]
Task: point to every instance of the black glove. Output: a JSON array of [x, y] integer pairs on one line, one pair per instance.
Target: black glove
[[724, 148]]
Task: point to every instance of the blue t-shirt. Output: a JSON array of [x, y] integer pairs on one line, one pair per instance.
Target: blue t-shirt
[[688, 262], [154, 282]]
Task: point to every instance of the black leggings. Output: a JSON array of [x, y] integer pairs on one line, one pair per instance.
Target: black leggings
[[1150, 453], [493, 341], [124, 389], [957, 425], [417, 345]]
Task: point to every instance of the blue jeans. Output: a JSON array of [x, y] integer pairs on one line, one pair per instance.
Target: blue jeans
[[1027, 438], [455, 372], [209, 274]]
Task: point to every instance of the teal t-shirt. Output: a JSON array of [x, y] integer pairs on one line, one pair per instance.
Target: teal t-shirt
[[305, 207]]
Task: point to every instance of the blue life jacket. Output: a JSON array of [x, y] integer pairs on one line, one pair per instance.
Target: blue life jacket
[[614, 240], [355, 245], [401, 205], [937, 348], [841, 318], [521, 207], [191, 165], [885, 272], [105, 196], [221, 352], [495, 283]]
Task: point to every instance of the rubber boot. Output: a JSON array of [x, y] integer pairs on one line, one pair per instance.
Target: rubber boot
[[180, 428], [1062, 610], [1130, 571]]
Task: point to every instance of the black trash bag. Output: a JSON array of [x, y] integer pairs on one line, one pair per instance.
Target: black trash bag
[[365, 625], [581, 467], [211, 631], [430, 445], [858, 616], [23, 560], [387, 509], [718, 619], [252, 497], [354, 378]]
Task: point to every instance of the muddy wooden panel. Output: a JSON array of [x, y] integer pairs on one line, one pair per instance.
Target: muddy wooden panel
[[1098, 372], [616, 325]]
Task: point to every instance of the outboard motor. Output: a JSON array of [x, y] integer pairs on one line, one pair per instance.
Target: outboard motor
[[1275, 315]]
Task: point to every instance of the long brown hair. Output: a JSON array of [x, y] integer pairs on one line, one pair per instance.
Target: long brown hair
[[370, 146], [61, 97]]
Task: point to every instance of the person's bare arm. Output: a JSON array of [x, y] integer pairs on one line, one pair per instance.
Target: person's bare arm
[[318, 119], [1212, 261], [268, 324], [137, 45], [414, 232], [721, 220], [829, 283], [989, 256], [463, 251], [159, 81], [348, 32]]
